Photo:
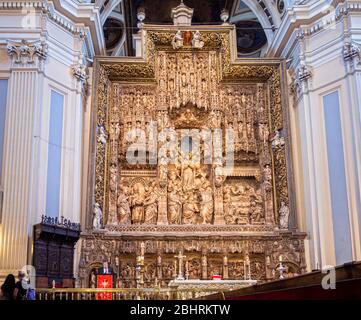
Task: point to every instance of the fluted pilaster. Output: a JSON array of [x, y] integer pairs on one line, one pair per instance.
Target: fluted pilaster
[[23, 106]]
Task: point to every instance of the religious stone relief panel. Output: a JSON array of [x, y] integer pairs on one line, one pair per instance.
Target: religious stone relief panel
[[202, 259], [201, 123], [191, 166]]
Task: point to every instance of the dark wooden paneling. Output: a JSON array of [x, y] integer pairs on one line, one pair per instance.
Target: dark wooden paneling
[[54, 255]]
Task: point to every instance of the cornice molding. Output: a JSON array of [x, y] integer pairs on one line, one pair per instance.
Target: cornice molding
[[49, 10], [46, 8], [315, 16]]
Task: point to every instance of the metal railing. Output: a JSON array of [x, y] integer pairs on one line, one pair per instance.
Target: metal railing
[[123, 294]]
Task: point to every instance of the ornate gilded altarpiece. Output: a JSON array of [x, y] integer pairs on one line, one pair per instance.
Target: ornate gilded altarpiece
[[219, 218]]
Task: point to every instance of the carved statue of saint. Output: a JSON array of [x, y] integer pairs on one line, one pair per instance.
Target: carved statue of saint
[[284, 216], [255, 212], [113, 178], [207, 206], [114, 131], [197, 41], [174, 204], [188, 177], [137, 202], [102, 136], [190, 209], [177, 41], [123, 207], [277, 139], [267, 176], [151, 207], [97, 217], [92, 280]]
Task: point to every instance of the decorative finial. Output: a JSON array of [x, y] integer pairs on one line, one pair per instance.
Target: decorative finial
[[182, 15], [225, 16], [141, 17]]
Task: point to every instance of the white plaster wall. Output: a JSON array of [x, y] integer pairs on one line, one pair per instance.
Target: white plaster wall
[[65, 50], [321, 51]]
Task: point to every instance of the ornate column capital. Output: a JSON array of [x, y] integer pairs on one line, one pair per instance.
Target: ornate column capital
[[27, 54], [303, 73], [351, 51], [300, 80]]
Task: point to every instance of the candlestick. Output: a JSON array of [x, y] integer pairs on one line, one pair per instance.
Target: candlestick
[[245, 271], [175, 268], [142, 249]]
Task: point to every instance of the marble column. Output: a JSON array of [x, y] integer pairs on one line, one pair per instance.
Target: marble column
[[21, 151], [352, 118], [303, 83]]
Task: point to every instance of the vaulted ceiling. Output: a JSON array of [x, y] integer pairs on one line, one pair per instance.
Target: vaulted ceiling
[[255, 20]]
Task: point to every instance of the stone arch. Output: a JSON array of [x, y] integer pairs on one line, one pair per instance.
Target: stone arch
[[95, 265], [109, 13], [108, 9], [265, 21]]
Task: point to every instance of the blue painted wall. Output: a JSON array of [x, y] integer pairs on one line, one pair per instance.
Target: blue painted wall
[[54, 154], [3, 97], [337, 173]]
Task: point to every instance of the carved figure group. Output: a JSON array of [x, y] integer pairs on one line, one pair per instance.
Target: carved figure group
[[242, 204], [190, 196]]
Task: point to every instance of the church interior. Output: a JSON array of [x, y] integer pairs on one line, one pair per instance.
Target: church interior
[[170, 149]]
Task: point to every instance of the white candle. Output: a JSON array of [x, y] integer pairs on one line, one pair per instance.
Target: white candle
[[142, 249], [281, 258]]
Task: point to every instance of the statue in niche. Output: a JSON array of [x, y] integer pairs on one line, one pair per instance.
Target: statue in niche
[[114, 130], [168, 270], [137, 202], [263, 133], [150, 272], [205, 194], [97, 217], [102, 136], [151, 206], [124, 211], [174, 198], [93, 281], [206, 211], [267, 176], [194, 269], [277, 140], [113, 178], [256, 210], [284, 216]]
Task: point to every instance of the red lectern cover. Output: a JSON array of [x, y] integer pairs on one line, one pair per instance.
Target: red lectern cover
[[105, 282]]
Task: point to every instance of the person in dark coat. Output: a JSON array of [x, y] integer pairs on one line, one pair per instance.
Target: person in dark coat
[[21, 287], [8, 287], [105, 270]]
